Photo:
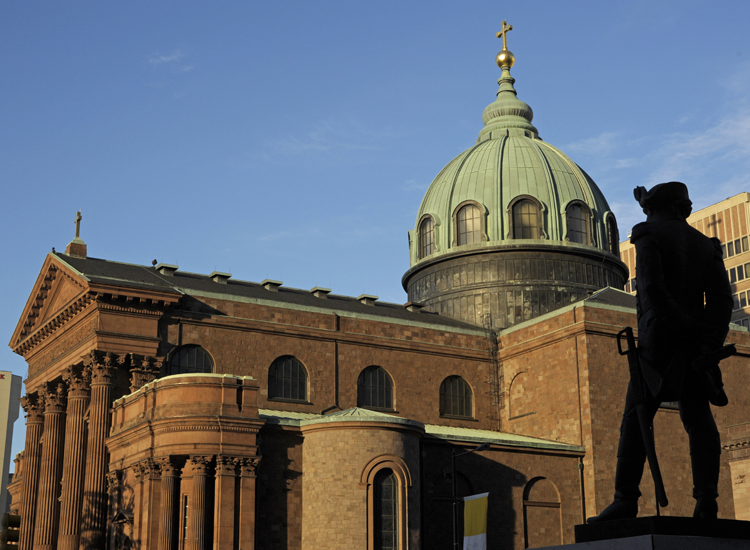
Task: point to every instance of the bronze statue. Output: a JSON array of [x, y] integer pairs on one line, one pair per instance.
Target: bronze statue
[[684, 306]]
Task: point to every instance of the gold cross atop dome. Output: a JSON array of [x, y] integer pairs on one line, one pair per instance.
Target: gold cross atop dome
[[505, 29], [505, 58]]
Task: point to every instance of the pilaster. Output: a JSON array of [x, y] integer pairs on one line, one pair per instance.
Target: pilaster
[[33, 405], [74, 463], [224, 505], [114, 488], [50, 471], [248, 467], [103, 371], [144, 372]]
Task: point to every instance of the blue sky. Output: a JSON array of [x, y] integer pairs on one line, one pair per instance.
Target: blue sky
[[295, 140]]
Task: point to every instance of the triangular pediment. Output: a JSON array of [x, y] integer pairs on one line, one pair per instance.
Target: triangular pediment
[[56, 289]]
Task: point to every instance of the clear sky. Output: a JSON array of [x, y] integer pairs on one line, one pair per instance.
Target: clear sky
[[295, 140]]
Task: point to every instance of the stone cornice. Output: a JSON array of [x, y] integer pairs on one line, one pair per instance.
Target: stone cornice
[[52, 325]]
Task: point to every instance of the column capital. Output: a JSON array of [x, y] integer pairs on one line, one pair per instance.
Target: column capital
[[226, 465], [167, 466], [102, 368], [248, 465], [199, 464], [78, 380], [138, 471], [33, 406], [143, 372], [55, 397], [113, 481]]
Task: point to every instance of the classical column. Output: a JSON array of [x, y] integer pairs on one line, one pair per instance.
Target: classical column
[[248, 466], [224, 505], [169, 473], [32, 456], [71, 500], [50, 469], [93, 527], [198, 466]]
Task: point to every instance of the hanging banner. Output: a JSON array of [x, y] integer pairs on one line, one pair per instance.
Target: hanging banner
[[475, 522]]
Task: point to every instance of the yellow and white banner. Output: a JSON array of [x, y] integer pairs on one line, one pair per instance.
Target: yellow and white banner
[[475, 522]]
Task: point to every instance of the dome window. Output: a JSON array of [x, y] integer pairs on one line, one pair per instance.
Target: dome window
[[527, 219], [613, 236], [579, 223], [426, 237], [468, 222]]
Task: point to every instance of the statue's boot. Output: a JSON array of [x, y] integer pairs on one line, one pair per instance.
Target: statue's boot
[[627, 480], [705, 485]]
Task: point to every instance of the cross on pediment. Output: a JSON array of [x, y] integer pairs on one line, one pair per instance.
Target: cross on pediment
[[78, 224], [505, 29]]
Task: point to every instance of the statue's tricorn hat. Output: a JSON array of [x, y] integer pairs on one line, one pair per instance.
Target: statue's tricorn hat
[[664, 196]]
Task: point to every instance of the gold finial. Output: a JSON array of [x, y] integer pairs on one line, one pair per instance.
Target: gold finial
[[505, 58]]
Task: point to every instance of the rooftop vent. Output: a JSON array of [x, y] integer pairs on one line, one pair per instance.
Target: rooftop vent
[[270, 284], [367, 299], [167, 269], [413, 306], [219, 277], [320, 292]]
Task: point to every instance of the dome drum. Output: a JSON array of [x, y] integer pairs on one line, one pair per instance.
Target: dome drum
[[512, 283]]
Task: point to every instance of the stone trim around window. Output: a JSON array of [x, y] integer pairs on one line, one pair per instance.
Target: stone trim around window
[[367, 478], [509, 216]]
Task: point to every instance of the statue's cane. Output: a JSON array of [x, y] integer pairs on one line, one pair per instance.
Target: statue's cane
[[647, 429]]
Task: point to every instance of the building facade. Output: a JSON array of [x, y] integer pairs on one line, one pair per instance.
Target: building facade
[[180, 411]]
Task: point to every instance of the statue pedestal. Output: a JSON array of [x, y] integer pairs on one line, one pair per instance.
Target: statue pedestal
[[662, 533]]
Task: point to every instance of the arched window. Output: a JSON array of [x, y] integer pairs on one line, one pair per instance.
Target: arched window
[[578, 223], [456, 398], [526, 220], [287, 379], [385, 510], [190, 359], [541, 514], [375, 389], [426, 237], [469, 224], [388, 482], [613, 236]]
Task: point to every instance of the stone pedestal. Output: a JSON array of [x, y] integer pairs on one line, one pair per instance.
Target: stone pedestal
[[662, 533]]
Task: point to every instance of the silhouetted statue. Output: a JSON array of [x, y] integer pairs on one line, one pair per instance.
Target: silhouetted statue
[[684, 307]]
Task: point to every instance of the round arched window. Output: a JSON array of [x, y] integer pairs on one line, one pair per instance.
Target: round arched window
[[469, 222], [287, 379], [578, 224], [612, 236], [526, 218], [456, 398], [190, 359], [426, 237], [375, 388]]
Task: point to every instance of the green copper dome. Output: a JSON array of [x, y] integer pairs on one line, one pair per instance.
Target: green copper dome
[[510, 163]]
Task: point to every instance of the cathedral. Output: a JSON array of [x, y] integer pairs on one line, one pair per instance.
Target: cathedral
[[169, 410]]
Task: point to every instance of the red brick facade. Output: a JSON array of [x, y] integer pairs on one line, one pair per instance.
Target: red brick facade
[[276, 474]]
